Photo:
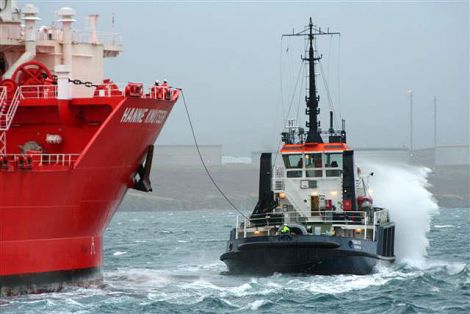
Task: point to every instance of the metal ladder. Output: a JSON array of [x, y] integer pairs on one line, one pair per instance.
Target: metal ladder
[[3, 143], [7, 112]]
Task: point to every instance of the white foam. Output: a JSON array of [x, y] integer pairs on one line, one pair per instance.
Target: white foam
[[242, 290], [254, 306], [202, 284], [336, 284], [162, 285], [213, 267], [118, 253], [139, 277], [402, 189], [72, 302], [443, 226], [451, 268]]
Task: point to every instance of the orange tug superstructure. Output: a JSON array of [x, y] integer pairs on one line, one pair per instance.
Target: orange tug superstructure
[[71, 144]]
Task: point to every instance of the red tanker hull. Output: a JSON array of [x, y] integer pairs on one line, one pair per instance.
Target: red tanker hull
[[52, 216]]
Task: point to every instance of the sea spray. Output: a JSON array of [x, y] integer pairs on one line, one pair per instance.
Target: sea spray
[[403, 190]]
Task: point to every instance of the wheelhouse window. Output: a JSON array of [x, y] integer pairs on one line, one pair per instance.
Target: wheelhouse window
[[333, 160], [313, 161], [293, 161], [294, 174], [314, 173], [333, 173]]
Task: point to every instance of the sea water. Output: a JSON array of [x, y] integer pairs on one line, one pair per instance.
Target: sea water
[[168, 262]]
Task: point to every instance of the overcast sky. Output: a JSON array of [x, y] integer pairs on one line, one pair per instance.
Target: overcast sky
[[239, 77]]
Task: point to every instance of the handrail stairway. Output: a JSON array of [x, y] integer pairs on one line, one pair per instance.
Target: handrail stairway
[[7, 112]]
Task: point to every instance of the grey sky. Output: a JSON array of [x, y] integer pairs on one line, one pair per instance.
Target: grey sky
[[228, 58]]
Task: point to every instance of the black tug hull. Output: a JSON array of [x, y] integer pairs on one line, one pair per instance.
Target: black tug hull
[[309, 254], [320, 263]]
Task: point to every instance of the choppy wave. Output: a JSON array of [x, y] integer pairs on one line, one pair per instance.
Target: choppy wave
[[179, 272]]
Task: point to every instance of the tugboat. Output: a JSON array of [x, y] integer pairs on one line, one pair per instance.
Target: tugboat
[[314, 214]]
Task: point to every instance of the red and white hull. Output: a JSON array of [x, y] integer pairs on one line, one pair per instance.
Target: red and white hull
[[52, 218]]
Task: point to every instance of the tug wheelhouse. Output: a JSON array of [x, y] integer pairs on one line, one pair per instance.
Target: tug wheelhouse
[[315, 174]]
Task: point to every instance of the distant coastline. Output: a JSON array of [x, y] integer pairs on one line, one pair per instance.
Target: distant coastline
[[188, 188]]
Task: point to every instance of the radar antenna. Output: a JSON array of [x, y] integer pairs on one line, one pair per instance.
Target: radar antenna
[[312, 100]]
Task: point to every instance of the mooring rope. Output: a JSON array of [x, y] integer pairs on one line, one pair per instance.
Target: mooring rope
[[202, 160]]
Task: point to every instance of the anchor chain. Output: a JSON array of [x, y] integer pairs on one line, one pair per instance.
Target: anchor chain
[[75, 82]]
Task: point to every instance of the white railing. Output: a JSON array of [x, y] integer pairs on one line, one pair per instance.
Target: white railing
[[58, 159], [41, 160], [102, 90], [13, 106], [3, 120], [324, 216], [3, 108], [110, 40], [8, 110], [3, 143], [107, 39], [50, 91], [3, 94], [344, 220], [38, 91]]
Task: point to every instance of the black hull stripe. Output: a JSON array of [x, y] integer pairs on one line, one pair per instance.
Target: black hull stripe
[[262, 245], [48, 281]]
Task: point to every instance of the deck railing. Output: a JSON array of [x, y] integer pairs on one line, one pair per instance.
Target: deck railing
[[38, 91], [3, 94], [365, 221], [324, 216], [58, 159], [3, 108], [107, 39], [8, 110], [102, 90], [33, 160]]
